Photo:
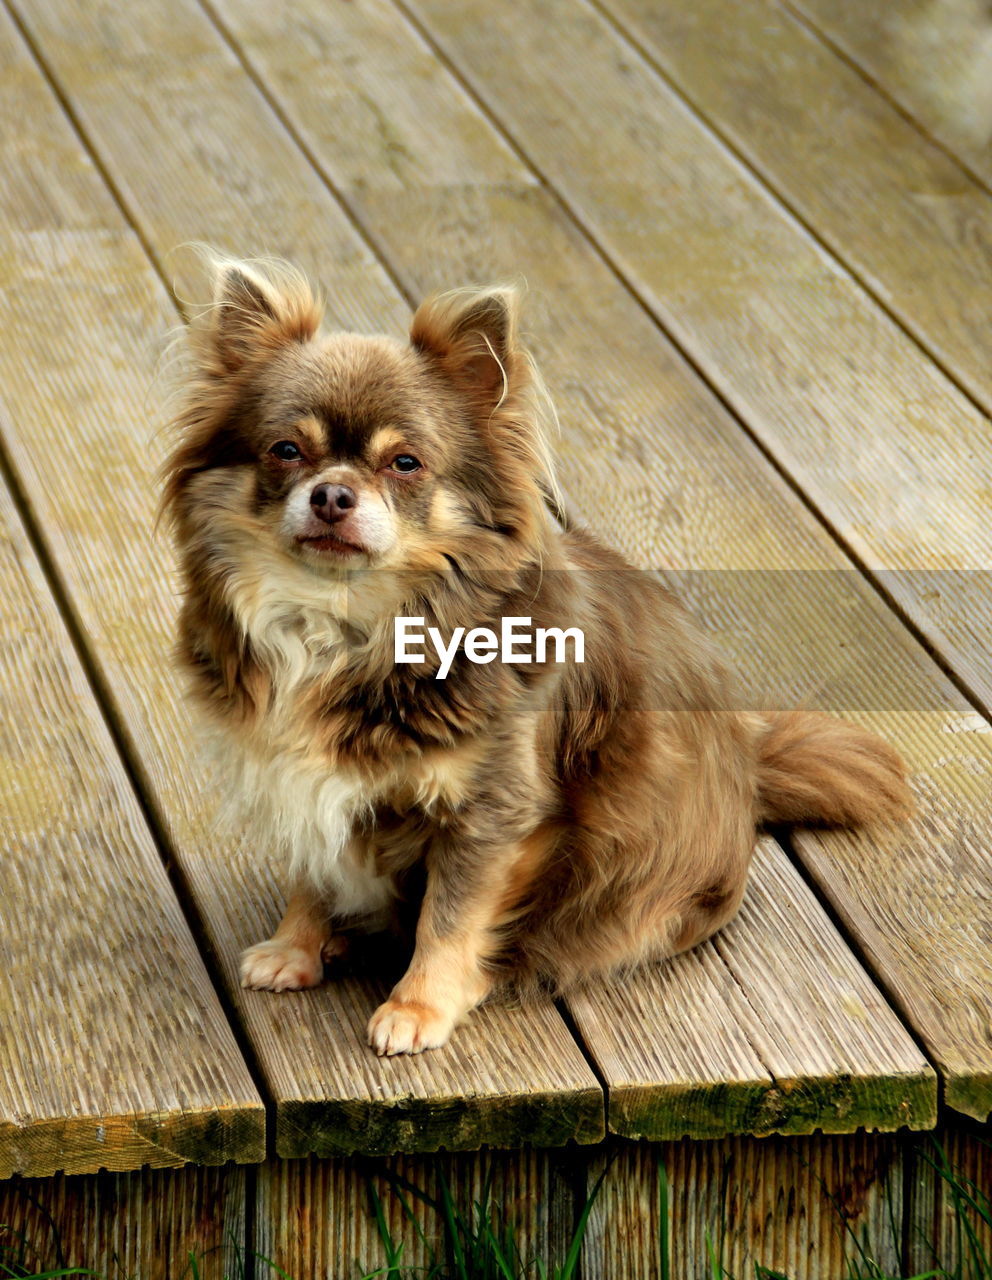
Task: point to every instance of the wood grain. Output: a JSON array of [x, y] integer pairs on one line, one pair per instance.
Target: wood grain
[[693, 491], [827, 1051], [794, 1204], [894, 207], [795, 1041], [315, 1217], [115, 1051], [933, 59], [82, 313], [800, 1207], [950, 1187], [120, 1226]]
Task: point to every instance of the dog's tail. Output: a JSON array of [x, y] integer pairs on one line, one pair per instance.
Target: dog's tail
[[814, 768]]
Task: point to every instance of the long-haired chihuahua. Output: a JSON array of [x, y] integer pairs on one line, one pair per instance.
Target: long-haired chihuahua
[[538, 822]]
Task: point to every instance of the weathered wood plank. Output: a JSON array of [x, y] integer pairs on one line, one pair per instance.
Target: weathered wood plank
[[949, 1197], [893, 206], [933, 59], [451, 202], [315, 1217], [98, 965], [797, 1205], [800, 1207], [80, 312], [675, 1049], [812, 1019], [125, 1225]]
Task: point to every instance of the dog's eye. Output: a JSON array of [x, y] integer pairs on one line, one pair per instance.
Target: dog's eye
[[405, 462], [285, 451]]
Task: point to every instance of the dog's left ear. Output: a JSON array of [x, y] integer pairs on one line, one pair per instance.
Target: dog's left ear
[[471, 335], [254, 315]]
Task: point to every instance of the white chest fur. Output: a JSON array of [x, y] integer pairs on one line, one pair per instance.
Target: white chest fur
[[297, 810], [296, 806]]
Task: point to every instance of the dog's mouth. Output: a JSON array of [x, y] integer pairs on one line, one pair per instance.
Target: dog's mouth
[[331, 544]]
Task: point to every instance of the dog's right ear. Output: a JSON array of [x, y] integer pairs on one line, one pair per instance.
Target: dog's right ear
[[254, 314]]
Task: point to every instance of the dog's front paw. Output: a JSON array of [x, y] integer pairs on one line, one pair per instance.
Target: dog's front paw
[[277, 966], [401, 1026]]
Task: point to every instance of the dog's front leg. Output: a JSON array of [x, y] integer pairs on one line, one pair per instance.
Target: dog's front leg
[[293, 958], [467, 891]]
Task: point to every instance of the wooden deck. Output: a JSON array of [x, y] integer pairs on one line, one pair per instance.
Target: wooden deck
[[757, 237]]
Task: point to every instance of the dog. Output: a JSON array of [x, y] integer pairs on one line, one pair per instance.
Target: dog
[[537, 824]]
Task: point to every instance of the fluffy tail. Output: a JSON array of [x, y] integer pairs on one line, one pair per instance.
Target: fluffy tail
[[814, 768]]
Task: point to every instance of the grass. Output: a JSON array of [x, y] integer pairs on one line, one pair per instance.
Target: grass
[[479, 1243]]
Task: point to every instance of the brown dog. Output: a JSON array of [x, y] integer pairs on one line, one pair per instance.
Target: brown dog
[[550, 820]]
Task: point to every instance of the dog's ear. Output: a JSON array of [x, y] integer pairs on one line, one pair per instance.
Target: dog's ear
[[253, 316], [472, 336]]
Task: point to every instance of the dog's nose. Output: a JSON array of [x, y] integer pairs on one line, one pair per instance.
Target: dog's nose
[[332, 502]]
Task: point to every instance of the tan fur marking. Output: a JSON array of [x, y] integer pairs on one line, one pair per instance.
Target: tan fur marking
[[534, 851], [385, 444], [312, 432], [293, 958]]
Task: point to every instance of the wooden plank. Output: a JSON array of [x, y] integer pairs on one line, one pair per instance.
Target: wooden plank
[[79, 305], [675, 1050], [950, 1186], [794, 1205], [533, 1190], [893, 206], [120, 1225], [636, 421], [780, 1008], [97, 964], [800, 1207], [933, 59], [817, 371]]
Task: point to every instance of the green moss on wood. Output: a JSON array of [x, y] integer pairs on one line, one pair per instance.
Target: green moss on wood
[[412, 1125]]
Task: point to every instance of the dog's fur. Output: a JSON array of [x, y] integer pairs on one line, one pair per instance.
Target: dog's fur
[[545, 822]]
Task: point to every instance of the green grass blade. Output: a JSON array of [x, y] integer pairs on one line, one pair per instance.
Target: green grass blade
[[664, 1244], [965, 1196], [282, 1275], [496, 1253], [392, 1250], [575, 1247], [453, 1228], [716, 1270], [400, 1185]]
